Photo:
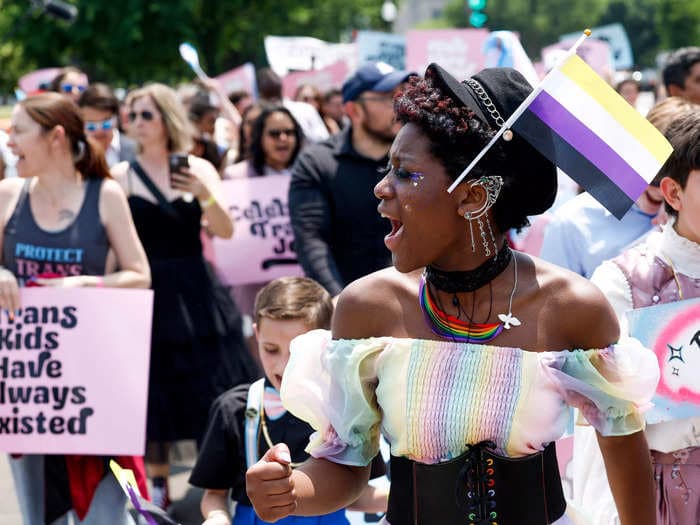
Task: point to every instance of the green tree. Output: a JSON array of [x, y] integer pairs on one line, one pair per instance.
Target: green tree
[[652, 25], [132, 41]]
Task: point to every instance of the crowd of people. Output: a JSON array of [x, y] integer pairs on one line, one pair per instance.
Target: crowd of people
[[433, 319]]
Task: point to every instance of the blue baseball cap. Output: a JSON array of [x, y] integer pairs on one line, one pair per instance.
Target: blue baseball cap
[[373, 76]]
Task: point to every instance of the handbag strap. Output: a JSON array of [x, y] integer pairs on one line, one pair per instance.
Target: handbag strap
[[153, 189]]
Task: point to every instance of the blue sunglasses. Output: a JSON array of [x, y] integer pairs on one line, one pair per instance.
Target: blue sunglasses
[[95, 125], [68, 88]]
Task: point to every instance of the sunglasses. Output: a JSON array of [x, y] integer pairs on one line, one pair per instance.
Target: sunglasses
[[277, 133], [145, 115], [68, 88], [104, 125]]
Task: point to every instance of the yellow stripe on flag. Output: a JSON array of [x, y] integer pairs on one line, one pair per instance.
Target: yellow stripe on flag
[[630, 119]]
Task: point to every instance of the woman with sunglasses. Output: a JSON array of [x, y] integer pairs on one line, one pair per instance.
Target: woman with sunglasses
[[100, 108], [70, 82], [275, 141], [197, 346], [65, 200]]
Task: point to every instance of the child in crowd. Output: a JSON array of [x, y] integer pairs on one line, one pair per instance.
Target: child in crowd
[[663, 269], [249, 419]]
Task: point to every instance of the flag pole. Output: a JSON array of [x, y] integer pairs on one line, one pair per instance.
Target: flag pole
[[519, 111]]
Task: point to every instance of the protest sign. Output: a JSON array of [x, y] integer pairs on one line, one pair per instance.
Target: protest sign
[[38, 79], [324, 79], [616, 36], [672, 331], [74, 372], [503, 49], [459, 51], [596, 53], [303, 53], [262, 246], [375, 46], [240, 79]]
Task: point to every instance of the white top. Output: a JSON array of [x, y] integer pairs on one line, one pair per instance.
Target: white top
[[684, 255]]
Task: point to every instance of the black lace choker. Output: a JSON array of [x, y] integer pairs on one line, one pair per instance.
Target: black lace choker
[[470, 280]]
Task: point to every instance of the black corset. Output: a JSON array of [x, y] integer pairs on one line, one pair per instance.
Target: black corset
[[477, 488]]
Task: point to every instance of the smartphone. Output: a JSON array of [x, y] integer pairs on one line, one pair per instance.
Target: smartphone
[[177, 161]]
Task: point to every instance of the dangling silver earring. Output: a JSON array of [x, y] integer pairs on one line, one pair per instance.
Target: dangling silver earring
[[493, 238], [492, 184], [468, 217], [487, 250]]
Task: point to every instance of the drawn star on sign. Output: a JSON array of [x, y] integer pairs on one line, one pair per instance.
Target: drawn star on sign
[[676, 353]]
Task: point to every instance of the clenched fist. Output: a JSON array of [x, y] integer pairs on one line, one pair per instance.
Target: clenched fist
[[270, 486]]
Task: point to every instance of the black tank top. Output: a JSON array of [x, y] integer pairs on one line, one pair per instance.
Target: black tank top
[[79, 249]]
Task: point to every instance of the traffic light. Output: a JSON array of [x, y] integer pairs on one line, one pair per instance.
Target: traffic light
[[477, 18]]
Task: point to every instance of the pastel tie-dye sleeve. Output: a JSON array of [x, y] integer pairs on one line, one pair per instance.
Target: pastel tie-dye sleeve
[[331, 385], [610, 387]]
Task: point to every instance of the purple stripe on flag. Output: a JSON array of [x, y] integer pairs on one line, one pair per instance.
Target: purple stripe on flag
[[544, 139], [590, 145]]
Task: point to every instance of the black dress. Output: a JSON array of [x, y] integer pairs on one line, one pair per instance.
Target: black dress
[[197, 347]]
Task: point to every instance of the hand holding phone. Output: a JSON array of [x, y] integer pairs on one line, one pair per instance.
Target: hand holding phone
[[177, 161]]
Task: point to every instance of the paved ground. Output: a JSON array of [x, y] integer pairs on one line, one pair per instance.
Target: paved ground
[[186, 498]]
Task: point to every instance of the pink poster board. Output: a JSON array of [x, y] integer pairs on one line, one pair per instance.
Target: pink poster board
[[596, 53], [32, 81], [459, 51], [74, 372], [262, 247], [240, 79], [324, 79]]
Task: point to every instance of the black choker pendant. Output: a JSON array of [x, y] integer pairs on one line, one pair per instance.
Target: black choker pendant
[[469, 280]]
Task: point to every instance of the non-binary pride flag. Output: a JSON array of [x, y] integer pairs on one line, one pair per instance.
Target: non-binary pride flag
[[583, 126]]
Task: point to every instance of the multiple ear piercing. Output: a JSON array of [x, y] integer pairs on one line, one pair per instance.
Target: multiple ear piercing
[[492, 184]]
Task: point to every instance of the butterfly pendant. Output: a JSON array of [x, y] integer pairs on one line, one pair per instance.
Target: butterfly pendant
[[508, 320]]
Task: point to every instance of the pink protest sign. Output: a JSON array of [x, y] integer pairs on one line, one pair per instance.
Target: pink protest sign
[[672, 331], [262, 247], [324, 79], [240, 79], [74, 372], [596, 53], [459, 51], [33, 81]]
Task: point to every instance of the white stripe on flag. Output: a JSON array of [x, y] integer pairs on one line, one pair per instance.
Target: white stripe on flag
[[591, 114]]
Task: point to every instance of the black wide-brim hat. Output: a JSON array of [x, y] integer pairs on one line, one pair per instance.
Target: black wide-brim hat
[[534, 177]]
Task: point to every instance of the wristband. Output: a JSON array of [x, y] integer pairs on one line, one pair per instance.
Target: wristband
[[211, 200], [100, 281]]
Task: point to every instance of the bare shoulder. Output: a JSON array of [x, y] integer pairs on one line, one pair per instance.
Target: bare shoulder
[[10, 187], [111, 191], [119, 171], [9, 191], [574, 304], [367, 307]]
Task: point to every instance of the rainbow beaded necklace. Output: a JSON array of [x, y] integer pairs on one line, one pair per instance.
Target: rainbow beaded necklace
[[453, 328]]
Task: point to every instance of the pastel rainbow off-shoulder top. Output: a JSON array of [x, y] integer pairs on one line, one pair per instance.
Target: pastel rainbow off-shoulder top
[[431, 399]]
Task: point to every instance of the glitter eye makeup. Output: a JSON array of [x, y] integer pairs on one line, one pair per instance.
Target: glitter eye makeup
[[400, 173]]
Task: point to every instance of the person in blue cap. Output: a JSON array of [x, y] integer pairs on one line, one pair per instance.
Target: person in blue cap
[[339, 236]]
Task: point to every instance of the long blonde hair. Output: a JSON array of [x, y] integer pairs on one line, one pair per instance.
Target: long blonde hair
[[177, 125]]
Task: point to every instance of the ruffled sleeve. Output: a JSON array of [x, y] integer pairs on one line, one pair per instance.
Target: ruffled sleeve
[[331, 384], [610, 387]]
